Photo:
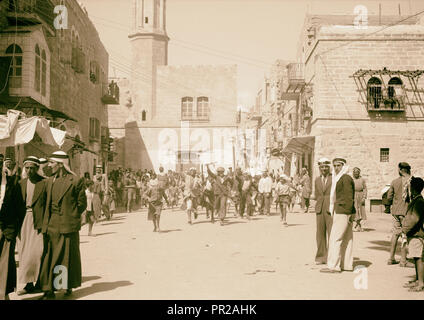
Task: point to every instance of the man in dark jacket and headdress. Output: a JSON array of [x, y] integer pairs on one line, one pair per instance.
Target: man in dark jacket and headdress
[[12, 212], [65, 202], [342, 209]]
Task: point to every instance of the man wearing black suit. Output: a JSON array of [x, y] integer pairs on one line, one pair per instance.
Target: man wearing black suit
[[342, 208], [322, 210]]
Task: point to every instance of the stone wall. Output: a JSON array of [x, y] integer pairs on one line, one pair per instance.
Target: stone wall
[[341, 123], [73, 93]]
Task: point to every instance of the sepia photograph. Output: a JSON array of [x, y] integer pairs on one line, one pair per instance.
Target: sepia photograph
[[229, 152]]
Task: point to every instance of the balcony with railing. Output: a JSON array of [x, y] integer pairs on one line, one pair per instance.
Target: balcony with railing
[[386, 100], [204, 117], [296, 78], [110, 93], [31, 12]]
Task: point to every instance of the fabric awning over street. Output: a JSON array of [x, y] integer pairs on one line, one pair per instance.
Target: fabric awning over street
[[300, 145], [15, 131]]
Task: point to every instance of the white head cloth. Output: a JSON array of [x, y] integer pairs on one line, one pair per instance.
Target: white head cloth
[[335, 179], [62, 157]]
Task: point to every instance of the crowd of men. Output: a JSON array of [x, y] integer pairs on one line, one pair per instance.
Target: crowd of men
[[43, 207], [44, 214], [340, 201]]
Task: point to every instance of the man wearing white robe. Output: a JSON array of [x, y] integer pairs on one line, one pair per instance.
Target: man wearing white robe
[[30, 239]]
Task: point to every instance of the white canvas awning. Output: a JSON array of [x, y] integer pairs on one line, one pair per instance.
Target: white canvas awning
[[15, 131]]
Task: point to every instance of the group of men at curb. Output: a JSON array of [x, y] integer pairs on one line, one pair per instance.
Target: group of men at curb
[[44, 214], [335, 209]]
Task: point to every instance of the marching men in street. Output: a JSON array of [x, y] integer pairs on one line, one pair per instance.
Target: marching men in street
[[221, 190], [283, 197]]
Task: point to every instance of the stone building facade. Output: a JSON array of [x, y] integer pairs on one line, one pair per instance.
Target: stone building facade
[[64, 77], [364, 87], [175, 116]]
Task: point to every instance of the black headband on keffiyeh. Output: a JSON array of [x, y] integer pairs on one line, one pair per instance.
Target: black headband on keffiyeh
[[33, 160]]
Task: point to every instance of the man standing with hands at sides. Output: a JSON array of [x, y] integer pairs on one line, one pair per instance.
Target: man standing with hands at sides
[[221, 191], [30, 244], [265, 189], [189, 193], [65, 202], [342, 208], [399, 196], [322, 210], [305, 181], [12, 213]]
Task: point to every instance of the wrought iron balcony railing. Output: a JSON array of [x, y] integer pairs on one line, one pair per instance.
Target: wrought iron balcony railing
[[110, 93]]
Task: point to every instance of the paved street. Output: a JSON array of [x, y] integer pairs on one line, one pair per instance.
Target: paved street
[[257, 259]]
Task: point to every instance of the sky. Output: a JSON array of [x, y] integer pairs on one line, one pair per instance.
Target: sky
[[249, 33]]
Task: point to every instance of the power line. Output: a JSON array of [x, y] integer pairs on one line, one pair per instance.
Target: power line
[[377, 31], [126, 28]]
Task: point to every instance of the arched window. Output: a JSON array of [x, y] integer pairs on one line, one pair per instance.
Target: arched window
[[187, 107], [15, 71], [143, 115], [43, 72], [395, 87], [203, 107], [374, 93], [37, 74]]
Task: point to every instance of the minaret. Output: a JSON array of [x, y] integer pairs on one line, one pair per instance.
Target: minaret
[[149, 45]]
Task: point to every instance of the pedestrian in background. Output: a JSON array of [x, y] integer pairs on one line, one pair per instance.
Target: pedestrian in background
[[89, 212], [305, 182], [155, 194], [293, 192], [360, 197], [283, 197], [265, 189]]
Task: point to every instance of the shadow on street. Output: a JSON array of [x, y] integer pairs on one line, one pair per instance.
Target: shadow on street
[[383, 245], [167, 231]]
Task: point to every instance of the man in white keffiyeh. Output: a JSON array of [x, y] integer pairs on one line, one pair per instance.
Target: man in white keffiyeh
[[342, 209], [12, 213]]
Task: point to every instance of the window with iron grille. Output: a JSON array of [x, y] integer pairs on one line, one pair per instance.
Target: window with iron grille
[[384, 154], [374, 93]]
